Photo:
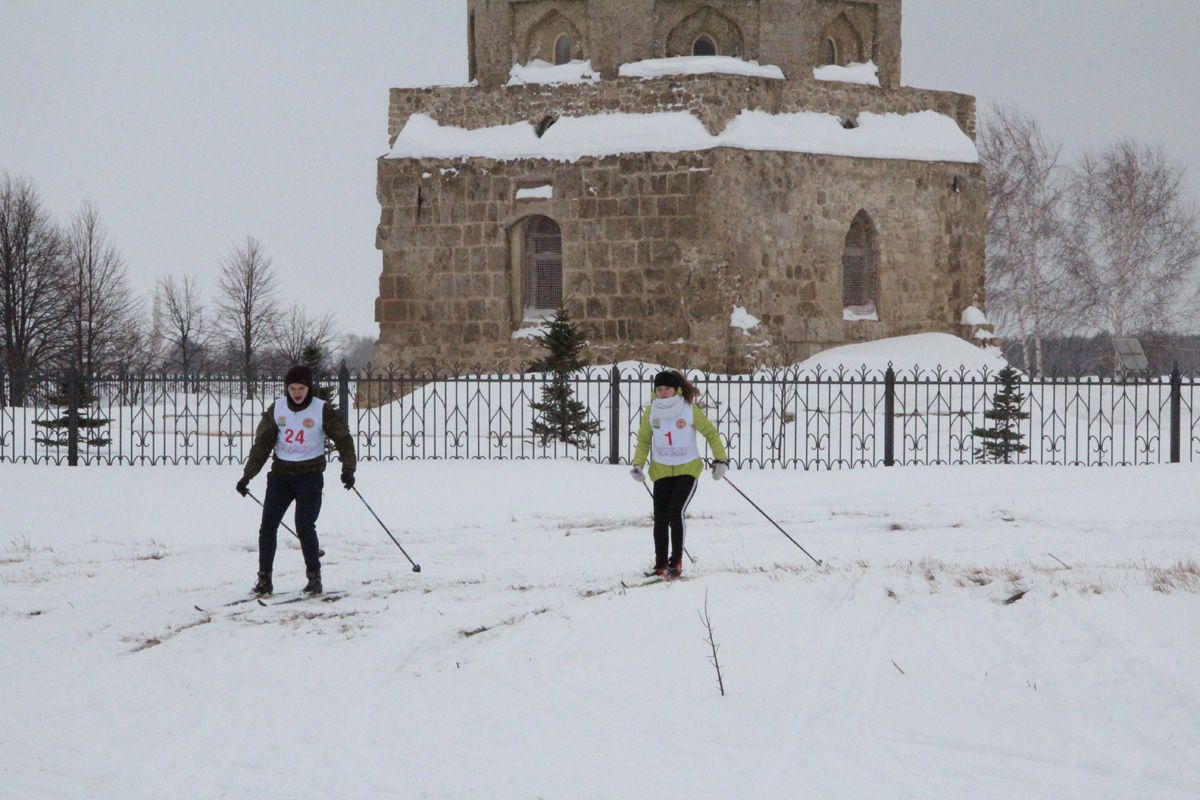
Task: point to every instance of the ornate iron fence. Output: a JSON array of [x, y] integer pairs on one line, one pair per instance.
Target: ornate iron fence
[[772, 418]]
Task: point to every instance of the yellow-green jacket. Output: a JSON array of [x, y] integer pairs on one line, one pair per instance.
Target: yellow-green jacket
[[702, 425]]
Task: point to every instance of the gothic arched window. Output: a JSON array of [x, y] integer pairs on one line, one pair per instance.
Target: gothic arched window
[[562, 49], [830, 55], [859, 275], [541, 267], [704, 46]]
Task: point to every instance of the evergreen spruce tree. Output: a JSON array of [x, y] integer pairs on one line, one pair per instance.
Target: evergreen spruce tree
[[89, 422], [312, 357], [1001, 443], [560, 416]]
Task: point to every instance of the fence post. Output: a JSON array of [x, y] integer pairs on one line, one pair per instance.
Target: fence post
[[889, 417], [3, 394], [1176, 397], [614, 418], [73, 418], [344, 393]]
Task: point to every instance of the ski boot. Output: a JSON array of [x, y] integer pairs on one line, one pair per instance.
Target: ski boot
[[263, 587], [674, 568], [314, 584]]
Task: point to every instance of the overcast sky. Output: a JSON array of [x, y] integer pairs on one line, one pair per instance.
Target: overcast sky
[[190, 125]]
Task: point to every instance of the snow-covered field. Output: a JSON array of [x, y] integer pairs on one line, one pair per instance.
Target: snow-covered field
[[946, 650]]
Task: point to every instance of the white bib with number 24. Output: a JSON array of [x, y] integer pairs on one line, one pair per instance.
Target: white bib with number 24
[[301, 434]]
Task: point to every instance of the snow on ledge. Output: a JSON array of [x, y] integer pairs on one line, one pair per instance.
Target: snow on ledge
[[973, 316], [538, 72], [921, 136], [741, 318], [698, 65], [860, 314], [866, 74], [536, 193], [924, 350]]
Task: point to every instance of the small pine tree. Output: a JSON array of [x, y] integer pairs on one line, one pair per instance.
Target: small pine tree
[[312, 357], [560, 416], [88, 422], [1002, 441]]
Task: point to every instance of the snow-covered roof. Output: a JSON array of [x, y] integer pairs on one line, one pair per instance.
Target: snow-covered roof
[[698, 65], [920, 136], [543, 72], [866, 74]]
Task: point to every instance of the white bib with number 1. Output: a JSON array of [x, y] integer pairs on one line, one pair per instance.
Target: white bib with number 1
[[672, 432]]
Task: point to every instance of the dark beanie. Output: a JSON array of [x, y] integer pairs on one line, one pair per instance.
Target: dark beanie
[[668, 377], [298, 374]]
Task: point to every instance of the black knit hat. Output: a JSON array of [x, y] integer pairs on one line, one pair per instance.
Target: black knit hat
[[298, 374], [668, 377]]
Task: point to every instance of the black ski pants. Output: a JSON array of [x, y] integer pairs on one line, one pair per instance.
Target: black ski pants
[[671, 498], [281, 491]]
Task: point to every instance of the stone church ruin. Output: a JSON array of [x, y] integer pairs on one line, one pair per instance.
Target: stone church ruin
[[720, 184]]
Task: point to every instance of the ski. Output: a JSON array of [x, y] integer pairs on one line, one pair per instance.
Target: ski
[[248, 599], [325, 597]]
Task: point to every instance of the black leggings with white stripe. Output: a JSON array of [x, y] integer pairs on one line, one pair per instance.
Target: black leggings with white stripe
[[671, 498]]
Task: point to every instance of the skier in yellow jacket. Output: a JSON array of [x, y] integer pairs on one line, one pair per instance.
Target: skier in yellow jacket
[[668, 436]]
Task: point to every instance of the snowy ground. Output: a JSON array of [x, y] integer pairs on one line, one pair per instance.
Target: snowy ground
[[515, 665]]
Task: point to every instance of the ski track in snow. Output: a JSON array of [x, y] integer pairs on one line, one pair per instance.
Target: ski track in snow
[[516, 665]]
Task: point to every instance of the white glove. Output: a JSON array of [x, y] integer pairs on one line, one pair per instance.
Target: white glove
[[637, 474], [719, 469]]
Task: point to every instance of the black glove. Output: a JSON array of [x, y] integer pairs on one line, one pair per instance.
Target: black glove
[[348, 480], [243, 486]]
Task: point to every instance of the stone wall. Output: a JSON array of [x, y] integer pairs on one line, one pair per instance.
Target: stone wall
[[786, 33], [714, 99], [658, 248]]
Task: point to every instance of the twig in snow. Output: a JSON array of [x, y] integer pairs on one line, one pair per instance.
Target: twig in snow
[[1059, 560], [712, 643], [897, 666], [1015, 597]]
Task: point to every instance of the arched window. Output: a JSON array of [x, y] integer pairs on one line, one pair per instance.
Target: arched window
[[704, 46], [562, 49], [541, 267], [859, 277], [830, 53]]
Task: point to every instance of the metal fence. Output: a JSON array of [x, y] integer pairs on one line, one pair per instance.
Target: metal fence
[[773, 418]]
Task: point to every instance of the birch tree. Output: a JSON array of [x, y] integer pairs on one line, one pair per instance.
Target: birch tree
[[1135, 240], [1025, 267]]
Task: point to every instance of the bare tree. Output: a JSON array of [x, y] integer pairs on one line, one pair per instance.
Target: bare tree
[[179, 320], [32, 301], [246, 306], [100, 308], [1025, 266], [297, 331], [1135, 239], [356, 350]]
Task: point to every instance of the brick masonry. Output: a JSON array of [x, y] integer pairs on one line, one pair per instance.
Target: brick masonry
[[659, 248]]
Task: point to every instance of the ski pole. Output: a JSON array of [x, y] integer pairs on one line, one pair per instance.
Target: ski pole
[[773, 522], [416, 566], [685, 550], [249, 494]]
